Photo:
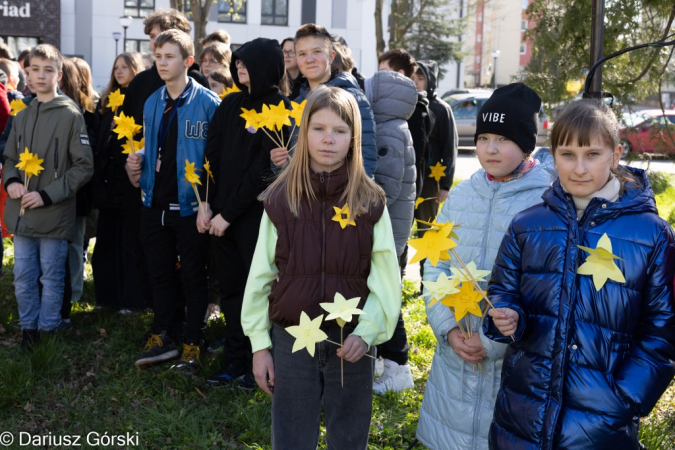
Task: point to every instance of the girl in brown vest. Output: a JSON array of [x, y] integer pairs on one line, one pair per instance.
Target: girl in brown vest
[[307, 252]]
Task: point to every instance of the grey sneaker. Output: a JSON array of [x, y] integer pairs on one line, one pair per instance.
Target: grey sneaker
[[159, 348]]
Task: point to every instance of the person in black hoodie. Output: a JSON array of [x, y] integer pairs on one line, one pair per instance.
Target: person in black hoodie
[[108, 264], [140, 89], [240, 158], [443, 141]]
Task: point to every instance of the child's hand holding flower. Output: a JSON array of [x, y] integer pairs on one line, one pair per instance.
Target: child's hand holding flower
[[279, 156], [505, 319], [353, 349], [470, 350], [204, 221]]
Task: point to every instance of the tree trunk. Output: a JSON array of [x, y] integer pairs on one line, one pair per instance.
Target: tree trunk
[[379, 34], [200, 17]]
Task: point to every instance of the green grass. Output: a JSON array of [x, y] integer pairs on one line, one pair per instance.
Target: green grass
[[86, 381]]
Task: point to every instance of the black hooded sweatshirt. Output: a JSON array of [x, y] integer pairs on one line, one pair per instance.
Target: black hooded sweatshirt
[[420, 125], [240, 157], [145, 84], [443, 140]]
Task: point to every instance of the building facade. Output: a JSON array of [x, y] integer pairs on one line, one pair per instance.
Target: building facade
[[86, 28]]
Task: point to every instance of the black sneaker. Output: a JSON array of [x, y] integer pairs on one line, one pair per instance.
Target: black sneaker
[[30, 339], [159, 347], [234, 370], [189, 361], [247, 382]]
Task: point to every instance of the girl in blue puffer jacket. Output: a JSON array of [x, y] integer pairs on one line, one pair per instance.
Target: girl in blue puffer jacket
[[583, 285], [459, 398]]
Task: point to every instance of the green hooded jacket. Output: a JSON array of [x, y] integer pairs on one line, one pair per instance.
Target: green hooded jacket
[[56, 132]]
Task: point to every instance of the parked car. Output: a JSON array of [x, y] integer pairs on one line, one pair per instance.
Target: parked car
[[648, 131], [465, 109], [458, 94]]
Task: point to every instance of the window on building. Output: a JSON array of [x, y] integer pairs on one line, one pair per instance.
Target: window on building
[[232, 11], [523, 25], [138, 8], [19, 43], [274, 12], [137, 45], [523, 48]]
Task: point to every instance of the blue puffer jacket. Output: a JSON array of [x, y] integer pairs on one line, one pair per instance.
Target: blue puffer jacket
[[459, 398], [586, 364], [346, 81]]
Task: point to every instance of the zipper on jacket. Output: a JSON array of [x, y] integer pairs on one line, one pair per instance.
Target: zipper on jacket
[[323, 241], [487, 234], [37, 115], [56, 158]]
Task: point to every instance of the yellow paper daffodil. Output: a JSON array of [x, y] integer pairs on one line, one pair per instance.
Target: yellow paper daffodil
[[418, 202], [433, 245], [466, 301], [115, 100], [126, 127], [307, 334], [442, 287], [296, 111], [251, 117], [437, 226], [16, 106], [207, 168], [437, 171], [474, 273], [342, 309], [228, 91], [191, 176], [137, 146], [274, 117], [30, 163], [600, 263], [342, 216]]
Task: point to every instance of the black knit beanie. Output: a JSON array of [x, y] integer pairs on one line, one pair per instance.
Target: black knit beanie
[[511, 111]]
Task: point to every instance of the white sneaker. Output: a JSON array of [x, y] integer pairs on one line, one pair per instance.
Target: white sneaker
[[379, 367], [395, 378]]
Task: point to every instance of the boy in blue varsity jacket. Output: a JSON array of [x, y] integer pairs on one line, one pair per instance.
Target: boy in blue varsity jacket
[[176, 121]]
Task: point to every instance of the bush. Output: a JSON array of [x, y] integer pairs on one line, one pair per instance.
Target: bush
[[660, 181]]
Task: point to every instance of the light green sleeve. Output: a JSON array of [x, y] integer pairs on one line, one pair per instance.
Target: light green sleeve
[[383, 304], [255, 318]]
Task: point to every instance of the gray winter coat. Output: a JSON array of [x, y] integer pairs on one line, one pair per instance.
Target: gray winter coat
[[393, 97], [459, 399]]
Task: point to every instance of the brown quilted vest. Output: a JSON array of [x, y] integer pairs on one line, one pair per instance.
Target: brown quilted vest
[[316, 257]]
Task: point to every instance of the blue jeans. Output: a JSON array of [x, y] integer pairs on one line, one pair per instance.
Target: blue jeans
[[304, 383], [44, 260]]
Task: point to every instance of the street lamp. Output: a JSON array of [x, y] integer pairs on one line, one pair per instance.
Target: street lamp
[[125, 21], [495, 55], [117, 35]]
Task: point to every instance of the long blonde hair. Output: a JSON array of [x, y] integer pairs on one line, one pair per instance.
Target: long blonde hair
[[361, 192]]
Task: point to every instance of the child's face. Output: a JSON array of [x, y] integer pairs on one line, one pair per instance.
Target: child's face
[[156, 30], [216, 86], [498, 155], [289, 55], [242, 73], [122, 72], [420, 81], [208, 64], [585, 170], [314, 57], [44, 75], [328, 139], [170, 63]]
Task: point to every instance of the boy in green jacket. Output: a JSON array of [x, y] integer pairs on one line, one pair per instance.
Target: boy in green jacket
[[52, 128]]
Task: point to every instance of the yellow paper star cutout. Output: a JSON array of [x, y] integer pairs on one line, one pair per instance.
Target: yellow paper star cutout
[[115, 100], [30, 163], [297, 110], [418, 202], [207, 168], [228, 91], [466, 301], [126, 127], [16, 106], [434, 245], [474, 273], [279, 116], [307, 334], [437, 226], [342, 216], [342, 309], [600, 263], [191, 176], [137, 146], [437, 171], [442, 287], [251, 117]]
